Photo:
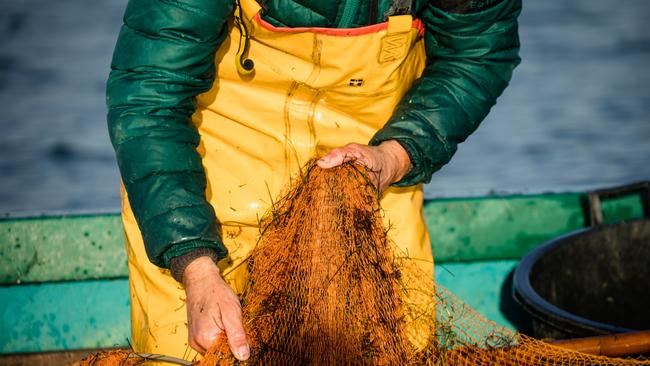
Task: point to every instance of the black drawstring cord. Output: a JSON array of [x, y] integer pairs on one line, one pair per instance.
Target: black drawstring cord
[[244, 64]]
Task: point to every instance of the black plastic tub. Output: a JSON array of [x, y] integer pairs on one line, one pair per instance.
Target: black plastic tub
[[590, 282]]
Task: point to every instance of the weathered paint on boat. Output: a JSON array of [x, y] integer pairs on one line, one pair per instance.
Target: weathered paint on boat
[[61, 248], [64, 280]]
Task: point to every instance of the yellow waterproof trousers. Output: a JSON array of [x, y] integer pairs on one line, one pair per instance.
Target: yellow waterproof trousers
[[312, 89]]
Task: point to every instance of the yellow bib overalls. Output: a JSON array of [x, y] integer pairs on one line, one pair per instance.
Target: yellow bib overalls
[[312, 89]]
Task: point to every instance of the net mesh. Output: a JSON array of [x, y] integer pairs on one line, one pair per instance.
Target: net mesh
[[328, 287], [111, 358]]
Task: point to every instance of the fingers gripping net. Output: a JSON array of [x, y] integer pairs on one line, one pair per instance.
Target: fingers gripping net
[[328, 287]]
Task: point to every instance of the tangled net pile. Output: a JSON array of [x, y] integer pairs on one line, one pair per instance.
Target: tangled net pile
[[328, 287]]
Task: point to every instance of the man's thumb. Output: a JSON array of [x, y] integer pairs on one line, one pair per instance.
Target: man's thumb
[[238, 343]]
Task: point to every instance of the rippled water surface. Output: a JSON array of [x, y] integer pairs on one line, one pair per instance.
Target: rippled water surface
[[576, 116]]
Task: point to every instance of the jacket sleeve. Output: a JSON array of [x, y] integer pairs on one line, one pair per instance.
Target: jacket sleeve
[[164, 57], [471, 53]]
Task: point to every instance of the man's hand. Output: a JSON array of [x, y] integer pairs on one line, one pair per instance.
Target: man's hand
[[386, 163], [212, 308]]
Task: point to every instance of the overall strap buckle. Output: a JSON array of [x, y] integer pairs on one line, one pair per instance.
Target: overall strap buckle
[[396, 43]]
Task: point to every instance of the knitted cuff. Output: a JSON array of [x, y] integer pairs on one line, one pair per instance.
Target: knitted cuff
[[178, 264]]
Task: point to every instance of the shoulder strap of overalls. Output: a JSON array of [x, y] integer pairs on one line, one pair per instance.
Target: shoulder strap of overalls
[[251, 7], [399, 16]]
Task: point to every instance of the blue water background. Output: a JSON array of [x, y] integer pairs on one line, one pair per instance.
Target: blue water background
[[576, 115]]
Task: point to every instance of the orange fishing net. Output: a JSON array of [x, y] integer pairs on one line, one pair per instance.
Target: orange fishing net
[[328, 287], [120, 357]]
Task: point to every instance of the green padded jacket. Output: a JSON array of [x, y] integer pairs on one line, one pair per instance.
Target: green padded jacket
[[164, 57]]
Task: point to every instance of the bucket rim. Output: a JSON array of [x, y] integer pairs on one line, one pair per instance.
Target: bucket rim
[[543, 310]]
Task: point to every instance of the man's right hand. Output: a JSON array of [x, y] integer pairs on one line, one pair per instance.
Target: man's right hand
[[212, 308]]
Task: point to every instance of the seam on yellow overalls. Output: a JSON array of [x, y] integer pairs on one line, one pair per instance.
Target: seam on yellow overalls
[[312, 89]]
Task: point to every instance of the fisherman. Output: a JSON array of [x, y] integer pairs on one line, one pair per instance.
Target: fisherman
[[214, 105]]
